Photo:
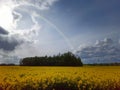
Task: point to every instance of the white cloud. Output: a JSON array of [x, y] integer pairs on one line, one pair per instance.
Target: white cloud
[[16, 18], [7, 10], [105, 51], [39, 4], [21, 42]]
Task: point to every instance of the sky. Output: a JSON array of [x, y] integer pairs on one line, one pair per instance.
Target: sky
[[88, 28]]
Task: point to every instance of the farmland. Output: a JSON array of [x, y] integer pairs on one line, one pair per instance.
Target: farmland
[[60, 78]]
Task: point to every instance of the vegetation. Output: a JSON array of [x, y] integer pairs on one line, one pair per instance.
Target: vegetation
[[104, 64], [60, 78], [66, 59], [4, 64]]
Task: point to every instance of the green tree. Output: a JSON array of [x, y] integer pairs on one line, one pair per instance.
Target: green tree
[[66, 59]]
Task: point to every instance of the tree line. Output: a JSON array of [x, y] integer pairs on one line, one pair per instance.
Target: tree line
[[104, 64], [4, 64], [66, 59]]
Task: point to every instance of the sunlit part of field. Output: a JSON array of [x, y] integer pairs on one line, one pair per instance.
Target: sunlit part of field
[[60, 78]]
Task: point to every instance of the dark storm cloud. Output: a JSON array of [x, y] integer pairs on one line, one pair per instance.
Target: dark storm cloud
[[105, 51], [3, 31], [8, 42], [7, 45]]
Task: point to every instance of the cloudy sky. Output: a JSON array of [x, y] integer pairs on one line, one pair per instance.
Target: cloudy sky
[[89, 28]]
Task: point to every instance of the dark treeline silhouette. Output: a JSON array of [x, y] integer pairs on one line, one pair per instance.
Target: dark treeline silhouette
[[66, 59], [104, 64], [4, 64]]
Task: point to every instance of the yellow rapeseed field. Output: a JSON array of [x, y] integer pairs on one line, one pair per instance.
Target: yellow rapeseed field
[[60, 78]]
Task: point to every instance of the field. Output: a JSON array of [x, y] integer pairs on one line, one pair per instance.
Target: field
[[60, 78]]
